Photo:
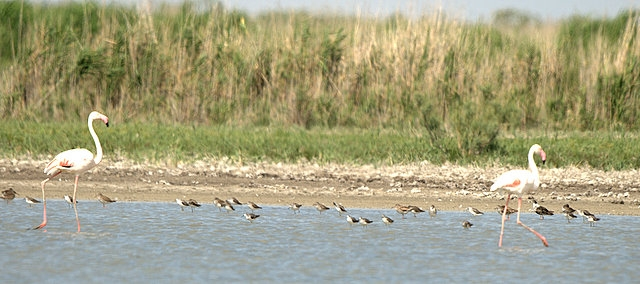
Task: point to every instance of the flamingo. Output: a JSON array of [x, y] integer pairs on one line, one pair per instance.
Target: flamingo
[[75, 161], [519, 182]]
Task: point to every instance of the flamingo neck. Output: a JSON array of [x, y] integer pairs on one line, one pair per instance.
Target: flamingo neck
[[532, 163], [98, 156]]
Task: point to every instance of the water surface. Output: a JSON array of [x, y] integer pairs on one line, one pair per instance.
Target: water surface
[[145, 241]]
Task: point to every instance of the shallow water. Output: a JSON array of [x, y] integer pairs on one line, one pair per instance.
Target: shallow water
[[144, 241]]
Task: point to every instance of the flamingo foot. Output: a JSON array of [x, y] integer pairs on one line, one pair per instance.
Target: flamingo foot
[[44, 223], [544, 242]]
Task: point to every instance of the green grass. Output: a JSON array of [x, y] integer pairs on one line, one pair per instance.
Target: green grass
[[211, 82], [164, 144]]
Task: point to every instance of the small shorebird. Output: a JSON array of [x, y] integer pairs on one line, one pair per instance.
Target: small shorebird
[[568, 212], [474, 211], [251, 216], [585, 214], [234, 201], [386, 220], [433, 211], [228, 206], [339, 208], [403, 210], [31, 200], [219, 203], [592, 220], [500, 210], [8, 194], [415, 210], [295, 207], [193, 204], [253, 206], [541, 210], [352, 220], [466, 224], [321, 207], [69, 200], [104, 199], [364, 221], [182, 203]]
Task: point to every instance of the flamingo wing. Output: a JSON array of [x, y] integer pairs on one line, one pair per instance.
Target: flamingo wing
[[514, 180], [75, 160]]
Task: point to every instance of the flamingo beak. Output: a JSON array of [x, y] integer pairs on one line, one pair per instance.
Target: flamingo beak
[[107, 124]]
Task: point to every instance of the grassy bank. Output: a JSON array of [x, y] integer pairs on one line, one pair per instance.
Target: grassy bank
[[432, 88], [163, 144]]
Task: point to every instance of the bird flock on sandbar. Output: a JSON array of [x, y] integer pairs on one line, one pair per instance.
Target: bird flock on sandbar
[[514, 182]]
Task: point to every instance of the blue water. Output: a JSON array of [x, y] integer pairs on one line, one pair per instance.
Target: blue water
[[145, 242]]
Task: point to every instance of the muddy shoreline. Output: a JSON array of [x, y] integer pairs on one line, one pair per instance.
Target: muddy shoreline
[[448, 187]]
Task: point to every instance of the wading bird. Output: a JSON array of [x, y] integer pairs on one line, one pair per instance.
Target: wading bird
[[295, 207], [352, 220], [474, 211], [320, 207], [401, 209], [253, 206], [182, 203], [69, 200], [433, 211], [364, 221], [519, 182], [568, 212], [31, 200], [500, 209], [250, 216], [105, 199], [339, 208], [193, 204], [74, 161], [386, 220], [8, 194]]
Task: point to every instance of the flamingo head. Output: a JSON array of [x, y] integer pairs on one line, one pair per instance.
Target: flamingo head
[[538, 150], [96, 115]]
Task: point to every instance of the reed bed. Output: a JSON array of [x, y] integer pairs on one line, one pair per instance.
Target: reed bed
[[459, 88]]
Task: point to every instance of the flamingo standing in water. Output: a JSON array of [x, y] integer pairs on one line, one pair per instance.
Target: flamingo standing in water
[[520, 182], [75, 161]]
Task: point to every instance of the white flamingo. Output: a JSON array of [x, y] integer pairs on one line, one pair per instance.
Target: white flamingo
[[520, 182], [75, 161]]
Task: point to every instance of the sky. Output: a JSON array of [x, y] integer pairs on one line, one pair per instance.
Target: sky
[[467, 9]]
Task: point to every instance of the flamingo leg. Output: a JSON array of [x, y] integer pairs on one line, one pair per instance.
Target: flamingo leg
[[44, 203], [75, 209], [504, 214], [541, 237]]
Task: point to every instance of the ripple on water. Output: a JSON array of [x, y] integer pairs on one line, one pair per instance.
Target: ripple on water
[[142, 242]]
